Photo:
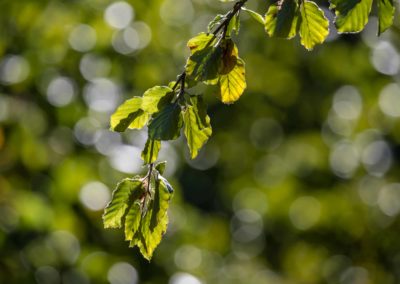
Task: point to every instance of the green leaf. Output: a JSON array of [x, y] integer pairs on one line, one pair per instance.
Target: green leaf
[[199, 42], [282, 18], [129, 115], [197, 125], [386, 11], [160, 167], [132, 220], [204, 62], [150, 151], [314, 26], [126, 191], [154, 223], [203, 65], [156, 98], [256, 16], [233, 84], [234, 25], [216, 21], [351, 15], [166, 124]]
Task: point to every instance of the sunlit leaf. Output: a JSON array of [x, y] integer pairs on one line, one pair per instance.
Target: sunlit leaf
[[160, 167], [351, 15], [121, 197], [234, 25], [256, 16], [166, 124], [200, 41], [203, 64], [386, 11], [132, 220], [233, 84], [197, 127], [129, 115], [314, 26], [156, 98], [282, 18], [154, 223], [150, 151], [215, 22]]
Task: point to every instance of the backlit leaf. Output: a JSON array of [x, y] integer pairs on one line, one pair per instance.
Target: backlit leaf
[[166, 124], [156, 98], [160, 167], [233, 84], [126, 190], [200, 41], [197, 127], [386, 11], [282, 18], [154, 224], [351, 15], [256, 16], [129, 115], [150, 151], [314, 26], [132, 221]]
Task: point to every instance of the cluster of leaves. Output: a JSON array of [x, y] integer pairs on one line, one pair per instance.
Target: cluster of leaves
[[287, 18], [141, 203]]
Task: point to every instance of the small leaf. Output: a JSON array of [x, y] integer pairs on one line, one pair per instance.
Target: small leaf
[[114, 212], [160, 167], [233, 84], [282, 18], [254, 15], [386, 11], [197, 126], [129, 115], [233, 26], [150, 151], [154, 224], [216, 21], [166, 124], [314, 26], [351, 15], [156, 98]]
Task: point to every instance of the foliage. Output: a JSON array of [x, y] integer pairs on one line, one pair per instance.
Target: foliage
[[299, 182], [214, 60]]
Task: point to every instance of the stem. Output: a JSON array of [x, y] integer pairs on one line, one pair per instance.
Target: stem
[[229, 16]]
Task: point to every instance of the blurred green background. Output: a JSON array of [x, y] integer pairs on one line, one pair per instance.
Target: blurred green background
[[299, 183]]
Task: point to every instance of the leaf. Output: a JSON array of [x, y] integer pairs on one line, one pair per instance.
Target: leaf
[[132, 221], [166, 124], [256, 16], [150, 151], [156, 98], [129, 115], [126, 190], [351, 15], [233, 26], [203, 65], [386, 11], [282, 18], [197, 126], [229, 56], [204, 62], [216, 21], [233, 84], [314, 26], [154, 223], [160, 167], [200, 41]]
